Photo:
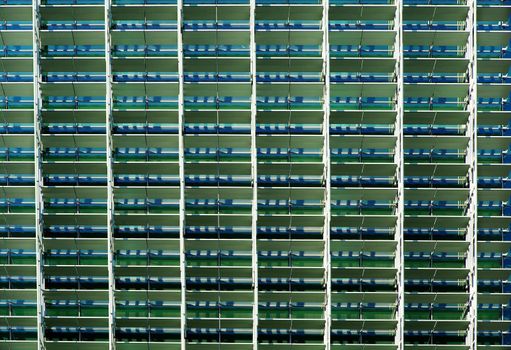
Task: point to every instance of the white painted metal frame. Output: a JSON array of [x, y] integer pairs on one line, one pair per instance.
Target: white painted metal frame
[[326, 164], [182, 257], [253, 159], [39, 204], [110, 177], [471, 236], [399, 234]]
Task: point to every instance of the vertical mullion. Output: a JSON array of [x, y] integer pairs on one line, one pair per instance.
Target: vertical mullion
[[110, 179], [326, 164], [472, 175], [39, 205], [399, 234], [253, 158], [182, 258]]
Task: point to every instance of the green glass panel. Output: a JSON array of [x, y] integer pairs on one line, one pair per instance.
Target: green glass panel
[[92, 209], [23, 209], [488, 314], [273, 211], [197, 158], [132, 260], [62, 311], [203, 313], [377, 211], [417, 211], [346, 211], [231, 158], [24, 311], [162, 210], [236, 261], [165, 312], [346, 262], [450, 211], [377, 314], [345, 159], [19, 157], [202, 262], [296, 158], [307, 211], [167, 261], [493, 263], [4, 310], [23, 260], [377, 159], [448, 264], [380, 262], [274, 262], [93, 260], [416, 263], [270, 314], [307, 313], [346, 314], [447, 314], [131, 312], [237, 313], [486, 160], [307, 262], [94, 311], [61, 260], [417, 315]]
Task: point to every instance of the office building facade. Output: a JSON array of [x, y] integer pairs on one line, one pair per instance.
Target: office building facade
[[255, 174]]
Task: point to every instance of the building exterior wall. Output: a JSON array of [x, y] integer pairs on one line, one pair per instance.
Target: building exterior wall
[[255, 174]]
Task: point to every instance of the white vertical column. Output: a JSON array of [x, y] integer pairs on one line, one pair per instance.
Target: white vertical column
[[253, 159], [182, 258], [471, 237], [325, 55], [110, 177], [399, 157], [38, 184]]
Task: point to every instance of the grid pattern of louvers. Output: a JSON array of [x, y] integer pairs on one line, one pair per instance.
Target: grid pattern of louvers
[[255, 174]]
